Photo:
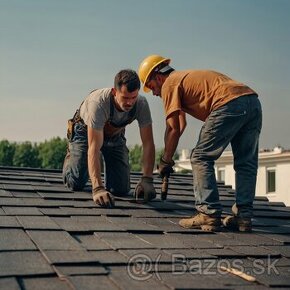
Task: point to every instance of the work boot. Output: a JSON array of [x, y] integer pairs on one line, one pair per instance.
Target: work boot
[[202, 221], [236, 223]]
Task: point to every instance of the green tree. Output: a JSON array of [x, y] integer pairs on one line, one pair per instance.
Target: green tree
[[7, 150], [52, 153], [26, 155], [135, 158]]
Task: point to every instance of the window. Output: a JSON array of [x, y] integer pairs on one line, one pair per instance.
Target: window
[[221, 175], [271, 180]]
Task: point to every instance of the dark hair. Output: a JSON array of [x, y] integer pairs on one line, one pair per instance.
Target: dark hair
[[128, 78]]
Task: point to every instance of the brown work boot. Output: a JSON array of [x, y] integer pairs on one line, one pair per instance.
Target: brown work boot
[[235, 223], [202, 221]]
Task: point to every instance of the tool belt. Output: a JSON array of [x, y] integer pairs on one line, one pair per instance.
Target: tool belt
[[71, 124]]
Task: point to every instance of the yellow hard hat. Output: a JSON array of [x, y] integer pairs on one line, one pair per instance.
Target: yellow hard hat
[[148, 65]]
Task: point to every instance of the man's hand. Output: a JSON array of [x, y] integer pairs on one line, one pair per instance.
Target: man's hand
[[165, 168], [103, 197], [145, 189]]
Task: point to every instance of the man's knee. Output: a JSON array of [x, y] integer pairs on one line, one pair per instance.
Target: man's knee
[[72, 183]]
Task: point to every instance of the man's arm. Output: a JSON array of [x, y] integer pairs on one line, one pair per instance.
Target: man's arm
[[101, 196], [175, 125], [148, 150], [182, 122], [95, 142]]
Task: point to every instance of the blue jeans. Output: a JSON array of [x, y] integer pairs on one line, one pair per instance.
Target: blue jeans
[[239, 123], [116, 157]]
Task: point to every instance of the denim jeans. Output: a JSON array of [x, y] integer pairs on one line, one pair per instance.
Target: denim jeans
[[116, 158], [239, 123]]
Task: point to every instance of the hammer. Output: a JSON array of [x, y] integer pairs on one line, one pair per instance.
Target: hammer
[[164, 187]]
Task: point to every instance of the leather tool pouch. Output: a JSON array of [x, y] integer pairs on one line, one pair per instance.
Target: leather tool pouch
[[71, 124], [70, 129]]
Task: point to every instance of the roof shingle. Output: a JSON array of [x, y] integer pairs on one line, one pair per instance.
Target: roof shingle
[[52, 238]]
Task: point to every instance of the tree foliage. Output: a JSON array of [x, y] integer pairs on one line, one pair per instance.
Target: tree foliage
[[7, 151], [26, 155], [48, 154], [135, 158], [52, 153]]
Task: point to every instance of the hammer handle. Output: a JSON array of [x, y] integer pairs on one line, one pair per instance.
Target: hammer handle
[[164, 188]]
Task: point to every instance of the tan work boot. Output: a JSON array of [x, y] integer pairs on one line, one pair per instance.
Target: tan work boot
[[235, 223], [201, 221]]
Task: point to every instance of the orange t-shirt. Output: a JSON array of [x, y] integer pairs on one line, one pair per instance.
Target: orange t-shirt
[[199, 92]]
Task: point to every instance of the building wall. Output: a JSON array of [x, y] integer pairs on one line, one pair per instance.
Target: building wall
[[277, 160], [282, 184], [282, 171], [261, 189], [230, 176]]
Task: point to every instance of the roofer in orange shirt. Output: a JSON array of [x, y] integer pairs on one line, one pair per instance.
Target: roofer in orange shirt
[[98, 126], [232, 113]]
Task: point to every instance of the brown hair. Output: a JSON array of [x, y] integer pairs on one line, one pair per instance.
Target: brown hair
[[127, 78]]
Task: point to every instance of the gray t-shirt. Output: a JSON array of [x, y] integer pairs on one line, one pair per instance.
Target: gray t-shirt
[[95, 110]]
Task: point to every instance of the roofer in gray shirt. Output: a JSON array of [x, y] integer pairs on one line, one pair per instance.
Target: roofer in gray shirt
[[99, 127]]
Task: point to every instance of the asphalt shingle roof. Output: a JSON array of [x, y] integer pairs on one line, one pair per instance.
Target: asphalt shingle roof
[[52, 238]]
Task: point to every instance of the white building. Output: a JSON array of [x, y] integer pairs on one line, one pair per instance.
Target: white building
[[273, 180]]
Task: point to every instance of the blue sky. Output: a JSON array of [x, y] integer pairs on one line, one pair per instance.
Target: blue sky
[[54, 52]]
